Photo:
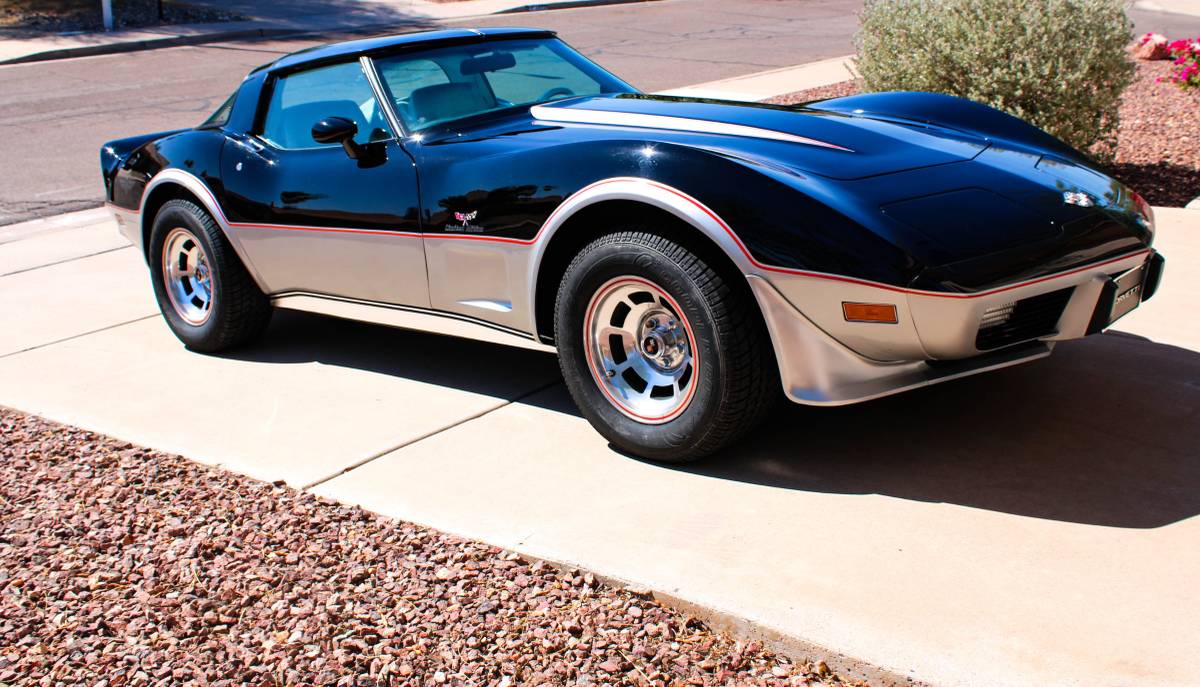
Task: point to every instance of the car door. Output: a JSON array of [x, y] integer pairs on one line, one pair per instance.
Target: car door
[[312, 218], [486, 188]]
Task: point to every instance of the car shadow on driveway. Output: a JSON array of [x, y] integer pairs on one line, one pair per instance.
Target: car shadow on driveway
[[476, 367], [1106, 431]]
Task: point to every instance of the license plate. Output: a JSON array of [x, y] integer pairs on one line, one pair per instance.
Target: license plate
[[1128, 292]]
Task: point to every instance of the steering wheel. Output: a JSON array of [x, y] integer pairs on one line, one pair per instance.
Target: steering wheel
[[555, 92]]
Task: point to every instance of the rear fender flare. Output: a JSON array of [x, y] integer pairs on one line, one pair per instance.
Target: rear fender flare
[[198, 189]]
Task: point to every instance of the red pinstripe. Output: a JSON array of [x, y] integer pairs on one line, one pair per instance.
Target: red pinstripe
[[700, 206]]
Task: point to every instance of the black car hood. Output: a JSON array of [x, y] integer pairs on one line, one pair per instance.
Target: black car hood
[[835, 145]]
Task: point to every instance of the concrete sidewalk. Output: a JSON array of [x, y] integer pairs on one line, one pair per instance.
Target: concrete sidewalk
[[773, 82], [60, 46], [274, 20], [1186, 7], [1032, 526]]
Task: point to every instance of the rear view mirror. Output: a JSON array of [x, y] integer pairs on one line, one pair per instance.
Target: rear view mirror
[[337, 130], [492, 62]]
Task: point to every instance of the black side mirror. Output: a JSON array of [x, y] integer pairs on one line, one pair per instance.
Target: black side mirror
[[337, 130]]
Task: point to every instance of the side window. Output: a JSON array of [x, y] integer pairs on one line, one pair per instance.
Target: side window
[[302, 99], [221, 116]]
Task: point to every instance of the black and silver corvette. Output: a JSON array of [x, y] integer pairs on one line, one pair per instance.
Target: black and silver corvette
[[683, 256]]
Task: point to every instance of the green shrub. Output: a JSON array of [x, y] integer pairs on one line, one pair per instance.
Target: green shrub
[[1058, 64]]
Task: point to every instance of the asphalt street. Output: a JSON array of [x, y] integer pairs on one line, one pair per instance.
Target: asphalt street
[[55, 115]]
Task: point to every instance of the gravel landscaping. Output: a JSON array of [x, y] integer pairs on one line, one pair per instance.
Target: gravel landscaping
[[125, 566], [1158, 146]]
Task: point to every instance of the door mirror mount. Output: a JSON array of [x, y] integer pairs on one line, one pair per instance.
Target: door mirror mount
[[337, 130]]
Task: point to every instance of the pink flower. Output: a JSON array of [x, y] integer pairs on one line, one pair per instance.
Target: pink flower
[[1186, 63]]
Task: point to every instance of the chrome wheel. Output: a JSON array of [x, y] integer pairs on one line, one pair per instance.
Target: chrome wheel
[[187, 276], [640, 349]]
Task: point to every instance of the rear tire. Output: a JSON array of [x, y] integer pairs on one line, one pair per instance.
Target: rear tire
[[666, 359], [207, 297]]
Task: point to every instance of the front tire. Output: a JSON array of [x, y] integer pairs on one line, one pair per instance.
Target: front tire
[[207, 297], [666, 359]]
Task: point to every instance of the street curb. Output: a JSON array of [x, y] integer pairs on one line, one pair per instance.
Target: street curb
[[150, 44], [43, 225], [269, 32]]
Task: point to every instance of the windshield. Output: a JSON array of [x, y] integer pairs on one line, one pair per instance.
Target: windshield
[[437, 86]]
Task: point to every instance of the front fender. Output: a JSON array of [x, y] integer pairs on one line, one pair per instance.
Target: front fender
[[769, 220], [787, 220]]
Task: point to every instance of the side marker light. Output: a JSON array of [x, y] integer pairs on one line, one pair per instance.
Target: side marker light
[[882, 313]]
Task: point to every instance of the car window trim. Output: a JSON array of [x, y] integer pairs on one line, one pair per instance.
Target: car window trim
[[385, 102], [272, 83]]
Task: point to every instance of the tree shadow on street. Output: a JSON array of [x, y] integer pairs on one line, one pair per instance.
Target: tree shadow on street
[[81, 19], [324, 13]]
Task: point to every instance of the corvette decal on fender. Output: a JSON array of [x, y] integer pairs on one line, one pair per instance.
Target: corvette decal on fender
[[464, 225]]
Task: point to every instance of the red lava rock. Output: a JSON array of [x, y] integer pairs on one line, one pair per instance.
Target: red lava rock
[[124, 567]]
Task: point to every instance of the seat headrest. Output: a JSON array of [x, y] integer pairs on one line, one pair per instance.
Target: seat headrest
[[449, 101]]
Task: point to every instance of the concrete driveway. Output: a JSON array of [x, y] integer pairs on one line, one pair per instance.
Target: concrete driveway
[[1032, 526]]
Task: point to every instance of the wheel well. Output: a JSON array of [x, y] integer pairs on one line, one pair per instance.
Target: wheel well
[[607, 217], [159, 197]]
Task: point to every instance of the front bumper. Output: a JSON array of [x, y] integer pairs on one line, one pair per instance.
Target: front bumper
[[825, 360]]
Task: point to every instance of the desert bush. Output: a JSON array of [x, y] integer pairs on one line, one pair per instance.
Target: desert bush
[[1058, 64]]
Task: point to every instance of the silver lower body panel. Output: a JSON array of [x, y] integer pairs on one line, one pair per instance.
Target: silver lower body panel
[[406, 317], [816, 369]]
